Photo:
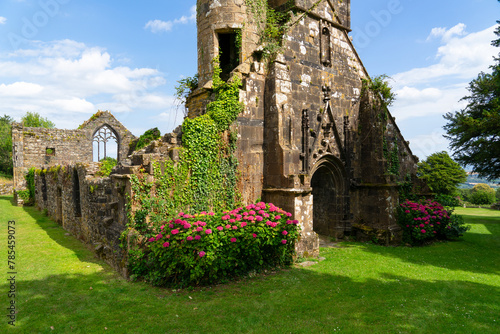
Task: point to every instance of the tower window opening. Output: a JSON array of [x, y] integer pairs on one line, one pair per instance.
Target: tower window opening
[[229, 53]]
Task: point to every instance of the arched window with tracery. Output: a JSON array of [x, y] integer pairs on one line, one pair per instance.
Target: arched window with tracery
[[105, 143]]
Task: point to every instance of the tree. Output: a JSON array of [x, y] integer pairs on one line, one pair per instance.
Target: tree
[[6, 145], [441, 173], [33, 119], [474, 132], [482, 194]]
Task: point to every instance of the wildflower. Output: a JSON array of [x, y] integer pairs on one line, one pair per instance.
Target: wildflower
[[203, 223], [235, 227], [254, 235], [283, 241], [159, 236], [284, 232], [423, 231], [289, 222], [220, 228], [175, 231], [259, 218], [288, 214], [201, 253], [277, 217], [252, 213], [208, 231], [296, 222], [186, 225], [233, 240], [199, 229], [171, 225], [232, 221], [189, 238], [151, 239], [167, 244], [198, 237], [162, 227], [243, 224], [228, 226]]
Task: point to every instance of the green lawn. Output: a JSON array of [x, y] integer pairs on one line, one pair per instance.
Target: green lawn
[[449, 287]]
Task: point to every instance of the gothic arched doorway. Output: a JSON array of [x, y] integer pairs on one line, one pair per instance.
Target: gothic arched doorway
[[329, 197]]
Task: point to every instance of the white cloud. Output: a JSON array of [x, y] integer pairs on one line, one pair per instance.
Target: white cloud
[[459, 58], [70, 81], [447, 34], [158, 26], [3, 20]]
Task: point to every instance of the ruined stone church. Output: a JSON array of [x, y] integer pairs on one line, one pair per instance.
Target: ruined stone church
[[313, 138]]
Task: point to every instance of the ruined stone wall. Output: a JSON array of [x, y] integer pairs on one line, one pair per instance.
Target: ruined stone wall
[[92, 209], [37, 147]]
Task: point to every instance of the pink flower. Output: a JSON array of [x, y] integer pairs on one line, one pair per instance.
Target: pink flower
[[252, 213], [203, 223], [159, 236], [289, 222], [232, 221], [162, 227], [233, 240], [168, 236], [296, 222], [151, 239], [226, 217], [228, 226], [220, 228], [167, 244], [407, 211], [254, 235], [198, 237], [171, 225], [175, 231], [189, 238], [422, 225], [283, 241], [423, 231], [235, 227], [243, 224], [208, 231], [259, 218], [269, 223], [199, 229], [211, 214], [187, 225], [288, 214], [277, 217], [284, 232], [250, 218], [178, 221], [201, 253], [181, 214]]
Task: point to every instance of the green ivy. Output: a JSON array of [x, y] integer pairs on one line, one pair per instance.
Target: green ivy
[[146, 138], [105, 166], [205, 177]]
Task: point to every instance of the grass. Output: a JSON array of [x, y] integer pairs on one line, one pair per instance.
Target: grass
[[451, 287]]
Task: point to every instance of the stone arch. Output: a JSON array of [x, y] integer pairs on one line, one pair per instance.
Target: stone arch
[[104, 118], [328, 183], [104, 134]]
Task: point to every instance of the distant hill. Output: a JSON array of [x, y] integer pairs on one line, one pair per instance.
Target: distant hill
[[473, 179]]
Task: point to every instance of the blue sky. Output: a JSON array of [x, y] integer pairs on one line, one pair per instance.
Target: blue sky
[[65, 59]]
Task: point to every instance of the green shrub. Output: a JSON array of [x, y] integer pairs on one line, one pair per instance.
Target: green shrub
[[427, 221], [208, 248], [448, 200], [106, 166], [147, 137], [24, 195], [482, 194]]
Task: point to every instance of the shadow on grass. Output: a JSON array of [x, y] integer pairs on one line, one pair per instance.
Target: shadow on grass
[[297, 300]]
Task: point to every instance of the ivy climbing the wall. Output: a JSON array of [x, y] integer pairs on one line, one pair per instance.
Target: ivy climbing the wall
[[205, 177]]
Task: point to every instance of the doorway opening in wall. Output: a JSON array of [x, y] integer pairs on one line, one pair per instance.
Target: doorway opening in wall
[[229, 52], [329, 198], [105, 144]]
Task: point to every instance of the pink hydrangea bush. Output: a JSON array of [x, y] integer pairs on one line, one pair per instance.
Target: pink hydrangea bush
[[427, 221], [212, 247]]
